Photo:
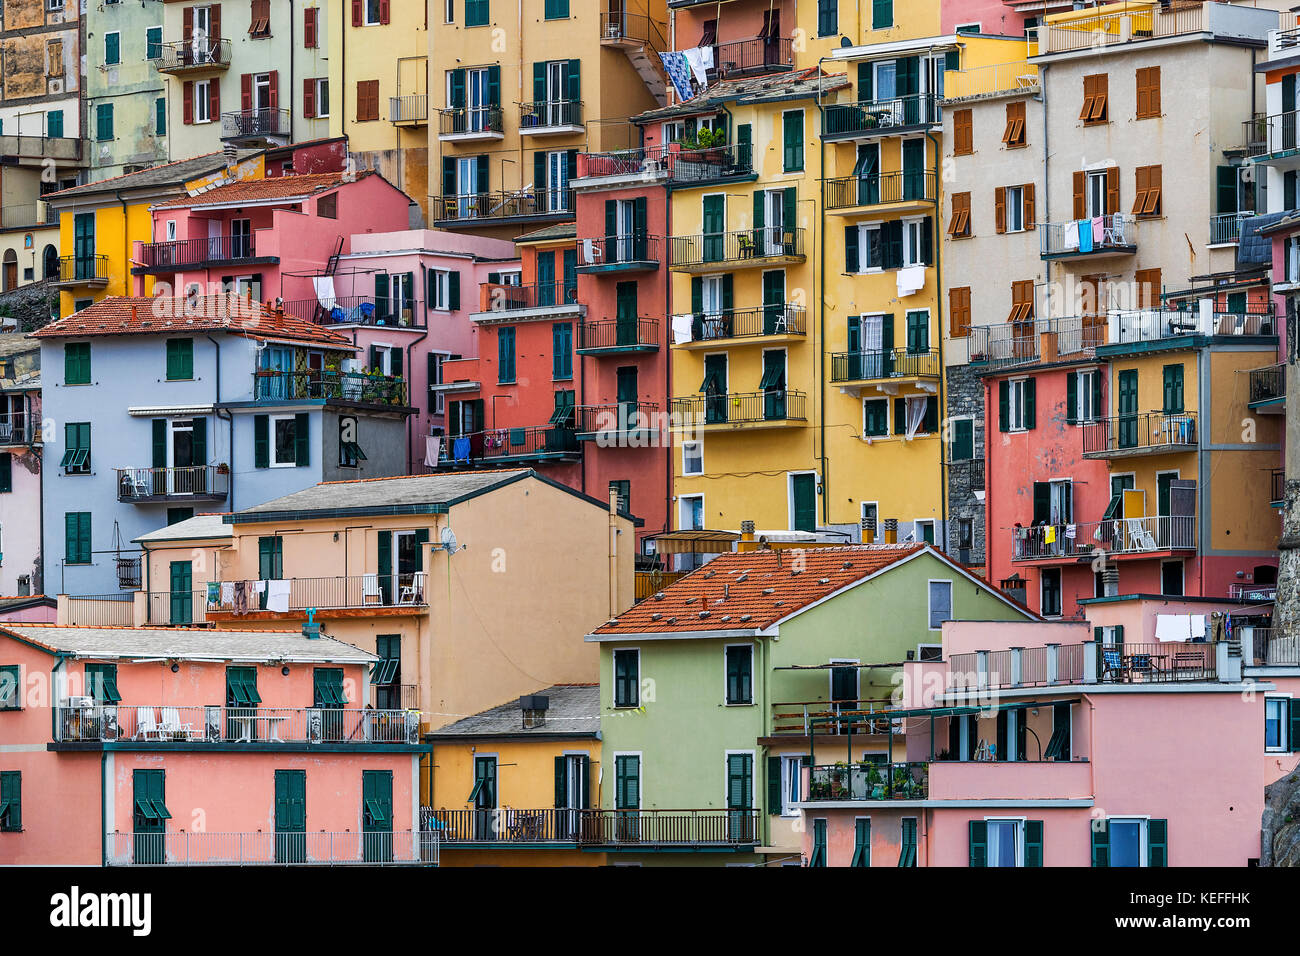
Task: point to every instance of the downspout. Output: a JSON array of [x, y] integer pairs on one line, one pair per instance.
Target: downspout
[[938, 308], [613, 553], [228, 418], [41, 496], [421, 296], [821, 318], [126, 240], [292, 60]]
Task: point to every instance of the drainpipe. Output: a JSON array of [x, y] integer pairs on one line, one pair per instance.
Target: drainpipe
[[410, 369], [821, 322], [292, 86], [938, 308], [230, 423], [126, 239], [613, 553]]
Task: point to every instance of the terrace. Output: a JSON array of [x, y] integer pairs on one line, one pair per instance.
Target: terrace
[[469, 125], [772, 408], [393, 593], [524, 205], [780, 322], [637, 252], [849, 194], [501, 302], [194, 56], [986, 82], [1077, 242], [1116, 537], [625, 424], [673, 162], [606, 829], [89, 271], [886, 364], [200, 483], [618, 336], [92, 722], [1147, 433], [1270, 646], [512, 445], [1092, 662], [1225, 229], [271, 848], [742, 249], [325, 385], [204, 252], [356, 310], [1020, 343], [1146, 23], [269, 126], [15, 429], [1155, 325], [870, 119]]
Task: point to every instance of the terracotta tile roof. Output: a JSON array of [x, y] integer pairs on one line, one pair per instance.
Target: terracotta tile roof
[[750, 590], [128, 315], [261, 190], [800, 84]]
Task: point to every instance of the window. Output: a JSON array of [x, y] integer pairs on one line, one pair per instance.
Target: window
[[6, 474], [627, 677], [177, 515], [963, 133], [316, 98], [259, 24], [916, 242], [627, 779], [1005, 843], [828, 18], [54, 58], [692, 458], [1013, 136], [963, 439], [959, 225], [1095, 91], [112, 48], [622, 490], [270, 557], [476, 13], [1148, 92], [959, 312], [202, 101], [1083, 396], [180, 359], [11, 801], [160, 116], [76, 363], [1013, 208], [101, 683], [1173, 389], [1281, 723], [557, 9], [76, 448], [443, 292], [350, 453], [791, 777], [940, 603], [1130, 841], [506, 355], [76, 537], [104, 121], [1050, 592], [1147, 202], [1022, 301], [449, 12], [289, 436], [882, 14], [864, 246], [562, 351], [740, 674], [1016, 405], [792, 141], [907, 853], [875, 417], [367, 100], [10, 699]]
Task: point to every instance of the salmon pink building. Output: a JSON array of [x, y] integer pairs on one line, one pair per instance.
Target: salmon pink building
[[127, 746], [1071, 744]]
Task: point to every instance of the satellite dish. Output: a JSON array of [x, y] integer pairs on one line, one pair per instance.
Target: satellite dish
[[449, 541]]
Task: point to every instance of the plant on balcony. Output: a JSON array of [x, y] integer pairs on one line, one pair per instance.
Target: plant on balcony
[[223, 468], [876, 782], [703, 146]]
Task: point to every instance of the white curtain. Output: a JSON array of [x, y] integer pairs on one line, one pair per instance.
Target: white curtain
[[915, 414]]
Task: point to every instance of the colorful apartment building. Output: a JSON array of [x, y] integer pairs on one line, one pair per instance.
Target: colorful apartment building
[[125, 103], [491, 769], [190, 747], [714, 688], [514, 112], [1017, 746], [21, 443]]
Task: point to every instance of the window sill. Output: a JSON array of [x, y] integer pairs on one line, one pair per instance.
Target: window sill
[[625, 706], [740, 703]]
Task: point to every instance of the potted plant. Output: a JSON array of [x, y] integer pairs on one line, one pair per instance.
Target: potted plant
[[876, 782], [223, 468]]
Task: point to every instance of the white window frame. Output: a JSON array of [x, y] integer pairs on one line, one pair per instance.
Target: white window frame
[[322, 84], [752, 695], [440, 400], [275, 461], [1094, 194], [684, 503], [1144, 847], [1018, 834], [862, 513], [913, 232], [671, 131], [170, 230], [929, 646], [1016, 404], [449, 11], [791, 784], [929, 603], [864, 266], [789, 487], [697, 447], [441, 291], [202, 97], [917, 537], [365, 13], [1083, 395], [1285, 702], [1015, 198], [118, 34]]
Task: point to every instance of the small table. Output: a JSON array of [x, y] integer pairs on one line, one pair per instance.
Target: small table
[[248, 721]]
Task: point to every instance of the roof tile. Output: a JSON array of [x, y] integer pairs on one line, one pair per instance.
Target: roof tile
[[261, 190]]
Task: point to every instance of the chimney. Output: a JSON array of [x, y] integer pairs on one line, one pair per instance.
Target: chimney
[[310, 629], [891, 531], [868, 530], [747, 530], [534, 708]]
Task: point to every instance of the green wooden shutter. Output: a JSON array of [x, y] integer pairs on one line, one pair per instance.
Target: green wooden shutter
[[851, 258], [1293, 724], [1042, 501], [963, 440], [728, 291], [261, 441], [774, 786], [744, 145], [561, 782], [1033, 843], [900, 416], [453, 291], [1226, 182], [882, 14], [199, 441], [861, 842], [301, 439], [11, 800], [760, 200], [979, 843], [1158, 843], [792, 141], [1030, 413], [1071, 397], [865, 83], [382, 307], [1101, 845]]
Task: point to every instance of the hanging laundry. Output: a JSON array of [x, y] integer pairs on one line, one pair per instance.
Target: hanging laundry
[[1049, 536], [1085, 235], [1098, 230], [679, 72], [1070, 241], [432, 445], [277, 596], [700, 59], [460, 448], [682, 328]]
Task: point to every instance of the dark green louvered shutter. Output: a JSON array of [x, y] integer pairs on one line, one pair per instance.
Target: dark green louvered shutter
[[697, 295], [382, 307], [979, 843], [159, 442], [1293, 724], [449, 175], [301, 439], [1004, 406], [774, 786], [1158, 843], [611, 219], [539, 82], [457, 91], [851, 262], [792, 141], [900, 416], [930, 423], [573, 80], [6, 472], [1226, 182], [539, 170], [494, 86], [481, 171], [261, 441], [199, 441], [865, 94], [1033, 843], [1100, 844], [1030, 414], [1071, 397], [453, 291], [861, 842], [1042, 501]]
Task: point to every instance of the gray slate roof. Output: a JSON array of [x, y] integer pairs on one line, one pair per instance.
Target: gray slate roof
[[188, 644], [1256, 248], [773, 87], [168, 174], [561, 230], [574, 710], [200, 526]]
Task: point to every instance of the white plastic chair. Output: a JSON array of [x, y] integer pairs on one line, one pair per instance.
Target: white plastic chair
[[145, 724], [172, 726], [1140, 534], [415, 590], [370, 589]]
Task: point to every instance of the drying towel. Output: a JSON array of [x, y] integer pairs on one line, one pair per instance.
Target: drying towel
[[911, 280], [324, 286], [1049, 536], [681, 329], [214, 592], [1098, 229], [228, 594], [432, 444], [1070, 531], [1198, 627], [1085, 236], [259, 587], [241, 597], [696, 58], [1071, 238], [1173, 627], [277, 596], [679, 72]]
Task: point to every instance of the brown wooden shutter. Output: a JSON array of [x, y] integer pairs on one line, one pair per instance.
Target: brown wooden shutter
[[1112, 190], [1000, 209], [273, 92], [1148, 285], [214, 99], [214, 20], [309, 27], [1080, 190], [187, 24], [1031, 215], [309, 99], [963, 133], [383, 11], [187, 110], [959, 312]]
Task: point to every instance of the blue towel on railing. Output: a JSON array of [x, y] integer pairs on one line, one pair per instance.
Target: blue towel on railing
[[1085, 235], [460, 449]]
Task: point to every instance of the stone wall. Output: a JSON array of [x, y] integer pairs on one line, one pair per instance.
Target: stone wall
[[965, 397]]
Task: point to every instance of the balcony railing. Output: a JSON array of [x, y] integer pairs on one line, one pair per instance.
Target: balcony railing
[[1138, 535], [214, 724], [746, 246], [700, 167], [1275, 646], [1267, 384], [17, 215], [508, 827], [473, 207], [549, 115], [638, 333], [1275, 133], [1015, 77], [1118, 234], [739, 408], [626, 28], [254, 124], [1165, 662], [195, 55], [495, 445], [405, 589], [1261, 593], [1019, 343], [886, 363], [1226, 228], [880, 189], [496, 297], [14, 430], [82, 270], [323, 384], [186, 481], [1149, 325], [470, 122], [355, 310], [1139, 433], [176, 608], [652, 162], [766, 320], [612, 423], [805, 717], [870, 781], [209, 250], [880, 117], [99, 610], [413, 109], [1126, 26], [315, 848], [751, 55], [618, 252]]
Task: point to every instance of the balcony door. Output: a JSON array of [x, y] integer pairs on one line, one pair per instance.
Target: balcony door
[[715, 388], [484, 798], [625, 321], [83, 244], [627, 397], [774, 214], [867, 171], [377, 815], [877, 333], [468, 187], [291, 816], [557, 181], [714, 223], [553, 107], [844, 689], [480, 100], [241, 238], [740, 797], [774, 302], [182, 593], [771, 37], [803, 502], [276, 372], [1127, 408], [913, 169], [149, 816], [187, 456], [572, 790]]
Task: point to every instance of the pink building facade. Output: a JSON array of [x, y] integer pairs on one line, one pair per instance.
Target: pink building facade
[[174, 747], [1070, 744]]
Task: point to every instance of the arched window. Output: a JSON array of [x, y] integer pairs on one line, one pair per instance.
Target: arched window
[[50, 259], [10, 271]]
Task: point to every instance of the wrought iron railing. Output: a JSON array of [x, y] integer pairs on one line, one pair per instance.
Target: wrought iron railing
[[214, 724], [503, 205], [1137, 535], [610, 421], [504, 444], [247, 124], [1147, 325], [776, 319], [635, 27], [270, 385], [1267, 384], [137, 484], [1277, 482], [751, 55], [1145, 430], [405, 589], [470, 121], [16, 215], [613, 334], [884, 363], [867, 117], [880, 188], [1227, 227], [193, 252], [497, 297], [547, 114], [739, 408], [869, 781], [615, 250], [1167, 662], [14, 429], [271, 847], [745, 245], [1275, 133], [412, 108], [700, 166], [643, 161], [1115, 232], [199, 53], [355, 310], [966, 476], [82, 269]]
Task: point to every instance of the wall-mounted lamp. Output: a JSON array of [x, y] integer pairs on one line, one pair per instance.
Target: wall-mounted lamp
[[175, 667], [285, 670]]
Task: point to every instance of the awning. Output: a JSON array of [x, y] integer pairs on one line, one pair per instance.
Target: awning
[[695, 542], [168, 411]]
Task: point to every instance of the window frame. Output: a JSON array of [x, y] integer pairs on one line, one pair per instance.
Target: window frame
[[1284, 720], [273, 458], [17, 698], [726, 675], [698, 447], [636, 682], [929, 602]]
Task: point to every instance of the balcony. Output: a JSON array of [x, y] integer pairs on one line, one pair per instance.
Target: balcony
[[198, 483], [355, 310], [175, 608], [628, 253], [621, 425], [202, 253], [214, 724], [32, 151], [832, 717], [629, 167], [1020, 343], [77, 271], [27, 214], [271, 848], [401, 593], [1273, 139], [192, 57], [1165, 662], [1144, 433], [1168, 326], [532, 205], [256, 127], [743, 249], [1138, 536], [763, 325], [1270, 646], [15, 429], [470, 125], [99, 610], [608, 829], [871, 119], [1136, 26], [863, 782], [326, 386], [752, 56], [714, 164], [887, 364], [774, 408], [966, 477], [986, 82], [1076, 242], [1268, 389], [850, 194], [551, 118], [618, 336], [411, 110], [1225, 229], [500, 446], [507, 303]]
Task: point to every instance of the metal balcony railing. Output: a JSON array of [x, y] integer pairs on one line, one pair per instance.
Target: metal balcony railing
[[742, 246], [599, 251], [199, 53], [496, 297], [369, 389], [607, 423], [886, 363], [625, 27], [185, 253], [880, 117], [1274, 133], [1267, 384], [176, 608], [17, 215], [966, 476], [14, 429], [870, 781], [252, 124], [405, 589], [1019, 343], [82, 269], [651, 161], [356, 310], [1137, 535], [1148, 325], [776, 319], [471, 121], [1118, 233], [413, 108], [503, 205], [751, 55], [533, 442], [618, 334], [214, 724], [506, 827], [740, 408], [1125, 26], [710, 164], [1226, 227], [548, 114], [1154, 431], [880, 189], [1014, 77], [270, 847], [186, 481], [100, 610], [1276, 646]]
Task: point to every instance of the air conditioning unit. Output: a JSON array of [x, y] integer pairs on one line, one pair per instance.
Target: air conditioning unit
[[78, 703], [56, 86]]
